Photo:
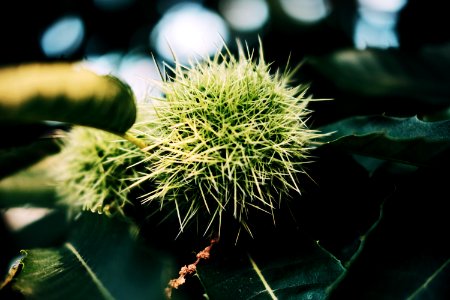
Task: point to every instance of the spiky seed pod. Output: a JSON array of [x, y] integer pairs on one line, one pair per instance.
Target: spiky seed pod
[[94, 170], [229, 137]]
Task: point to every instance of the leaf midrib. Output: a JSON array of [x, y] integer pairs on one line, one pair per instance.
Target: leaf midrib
[[101, 287]]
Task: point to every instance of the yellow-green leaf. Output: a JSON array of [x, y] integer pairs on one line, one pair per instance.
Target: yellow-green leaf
[[67, 93]]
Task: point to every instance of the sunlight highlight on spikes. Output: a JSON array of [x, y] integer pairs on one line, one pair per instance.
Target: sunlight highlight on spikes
[[229, 137]]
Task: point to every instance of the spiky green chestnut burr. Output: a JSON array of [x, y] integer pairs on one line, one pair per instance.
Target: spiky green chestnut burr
[[229, 137], [94, 170]]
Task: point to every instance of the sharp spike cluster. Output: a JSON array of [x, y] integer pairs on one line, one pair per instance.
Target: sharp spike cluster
[[95, 169], [228, 137]]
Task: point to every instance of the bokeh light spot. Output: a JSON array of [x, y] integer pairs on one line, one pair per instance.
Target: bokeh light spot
[[138, 70], [107, 64], [306, 11], [375, 25], [190, 31], [383, 5], [249, 15], [141, 73], [63, 37]]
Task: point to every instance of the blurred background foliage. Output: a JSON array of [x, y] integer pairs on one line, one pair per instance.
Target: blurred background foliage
[[30, 30], [119, 37], [97, 27], [73, 30]]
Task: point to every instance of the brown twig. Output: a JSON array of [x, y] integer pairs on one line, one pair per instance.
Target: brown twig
[[189, 269]]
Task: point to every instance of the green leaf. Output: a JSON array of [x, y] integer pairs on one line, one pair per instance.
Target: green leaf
[[30, 187], [65, 93], [100, 260], [421, 76], [407, 140], [287, 269], [407, 255]]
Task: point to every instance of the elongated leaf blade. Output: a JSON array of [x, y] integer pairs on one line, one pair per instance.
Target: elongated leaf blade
[[407, 140], [18, 158], [422, 76], [100, 260], [67, 93], [23, 145]]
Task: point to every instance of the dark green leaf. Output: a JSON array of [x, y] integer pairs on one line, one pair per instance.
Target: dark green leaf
[[65, 93], [435, 286], [100, 260], [330, 211], [20, 157], [407, 255], [289, 269], [422, 76], [407, 140], [20, 134]]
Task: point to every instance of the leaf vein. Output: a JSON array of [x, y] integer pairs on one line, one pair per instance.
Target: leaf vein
[[103, 290], [429, 280], [261, 277]]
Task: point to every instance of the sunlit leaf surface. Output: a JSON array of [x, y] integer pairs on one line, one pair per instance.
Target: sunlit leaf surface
[[66, 93]]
